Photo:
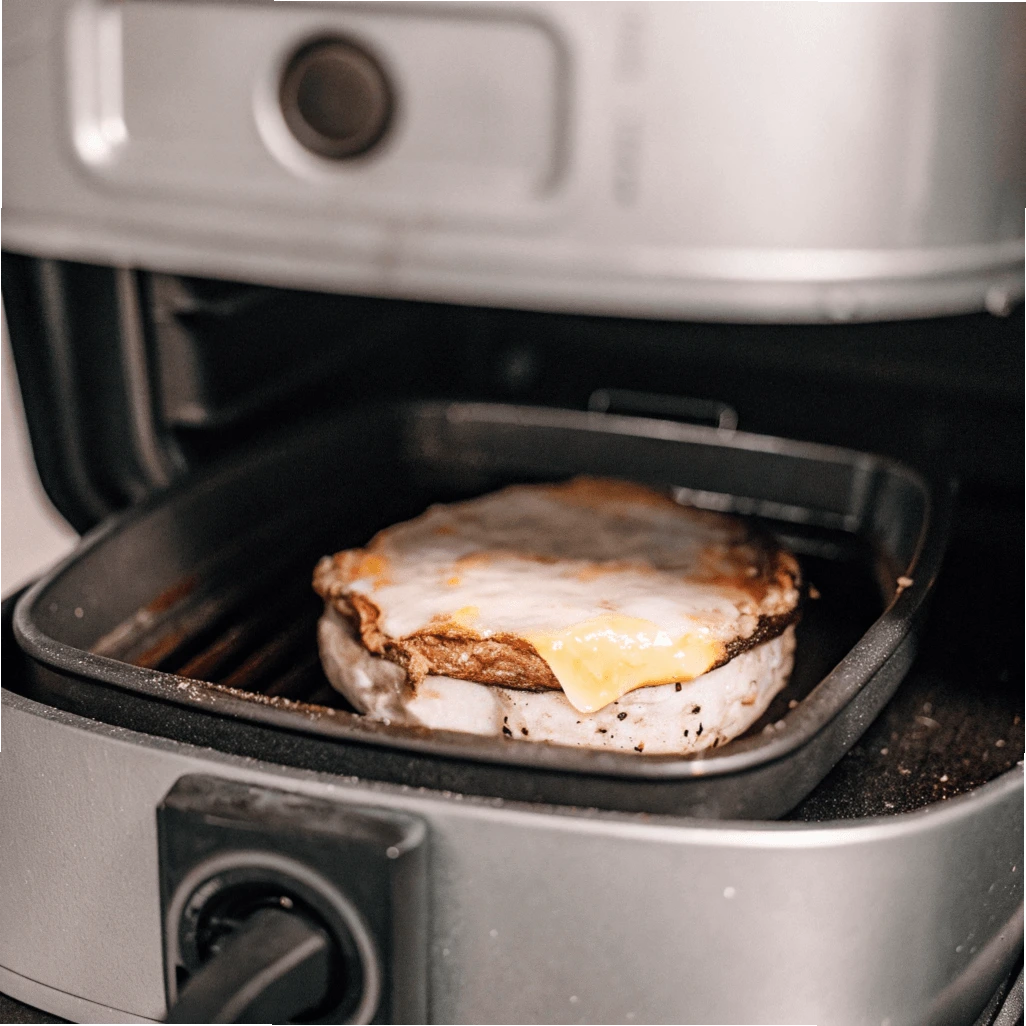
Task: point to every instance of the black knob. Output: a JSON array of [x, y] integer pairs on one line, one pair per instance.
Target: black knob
[[250, 945], [273, 967], [336, 99]]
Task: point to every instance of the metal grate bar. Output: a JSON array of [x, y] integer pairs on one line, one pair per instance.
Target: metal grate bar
[[241, 626], [266, 658], [256, 633], [300, 681]]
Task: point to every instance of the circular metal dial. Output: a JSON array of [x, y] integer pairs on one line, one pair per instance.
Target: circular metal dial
[[336, 99]]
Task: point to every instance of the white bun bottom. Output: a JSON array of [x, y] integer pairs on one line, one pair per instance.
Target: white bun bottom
[[659, 720]]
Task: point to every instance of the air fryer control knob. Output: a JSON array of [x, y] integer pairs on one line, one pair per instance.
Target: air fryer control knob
[[282, 906], [336, 99]]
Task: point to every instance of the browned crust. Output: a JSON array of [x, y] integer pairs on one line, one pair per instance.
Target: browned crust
[[602, 492], [766, 629], [449, 650]]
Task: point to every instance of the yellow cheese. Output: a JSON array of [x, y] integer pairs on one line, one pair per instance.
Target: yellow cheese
[[600, 660]]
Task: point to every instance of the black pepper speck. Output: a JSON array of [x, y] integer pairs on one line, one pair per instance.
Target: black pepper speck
[[621, 716], [698, 733]]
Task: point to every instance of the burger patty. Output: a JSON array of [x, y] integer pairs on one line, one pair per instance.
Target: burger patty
[[593, 588]]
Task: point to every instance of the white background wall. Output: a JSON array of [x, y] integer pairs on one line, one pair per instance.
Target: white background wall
[[34, 535]]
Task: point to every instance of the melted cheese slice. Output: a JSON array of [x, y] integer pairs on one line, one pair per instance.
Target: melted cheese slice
[[602, 659]]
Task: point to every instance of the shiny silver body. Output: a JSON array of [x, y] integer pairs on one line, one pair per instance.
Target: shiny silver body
[[772, 162], [537, 914], [722, 161]]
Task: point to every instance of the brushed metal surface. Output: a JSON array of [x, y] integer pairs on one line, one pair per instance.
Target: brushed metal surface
[[51, 1004], [910, 920], [807, 162]]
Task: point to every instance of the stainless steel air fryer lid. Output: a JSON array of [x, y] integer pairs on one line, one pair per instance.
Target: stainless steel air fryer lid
[[761, 162]]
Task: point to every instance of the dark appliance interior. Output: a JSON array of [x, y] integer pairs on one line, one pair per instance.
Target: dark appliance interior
[[147, 378], [133, 379]]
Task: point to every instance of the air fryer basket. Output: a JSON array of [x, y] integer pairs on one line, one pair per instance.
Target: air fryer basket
[[211, 582]]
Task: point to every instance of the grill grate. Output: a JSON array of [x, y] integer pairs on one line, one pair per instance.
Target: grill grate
[[256, 636]]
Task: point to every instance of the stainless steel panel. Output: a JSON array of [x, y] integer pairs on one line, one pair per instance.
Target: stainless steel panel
[[165, 103], [61, 1003], [907, 920], [807, 162]]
